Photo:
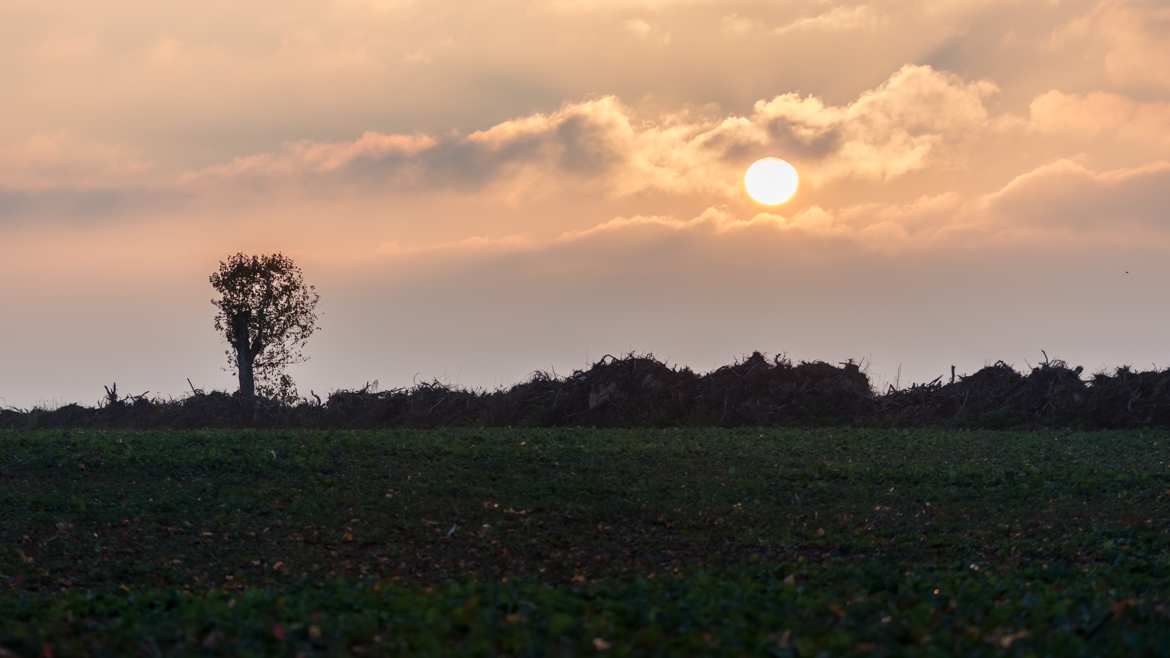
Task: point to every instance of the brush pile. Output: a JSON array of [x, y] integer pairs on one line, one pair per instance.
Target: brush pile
[[759, 391], [1052, 395], [641, 391]]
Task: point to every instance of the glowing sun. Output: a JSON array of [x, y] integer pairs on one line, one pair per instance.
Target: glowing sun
[[771, 181]]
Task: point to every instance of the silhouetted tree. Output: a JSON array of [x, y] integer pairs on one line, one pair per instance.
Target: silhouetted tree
[[267, 314]]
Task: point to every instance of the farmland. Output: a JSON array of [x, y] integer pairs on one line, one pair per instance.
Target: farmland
[[584, 542]]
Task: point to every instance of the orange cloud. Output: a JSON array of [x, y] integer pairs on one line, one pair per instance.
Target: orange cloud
[[1130, 36], [1069, 197], [842, 18], [1101, 115], [604, 146]]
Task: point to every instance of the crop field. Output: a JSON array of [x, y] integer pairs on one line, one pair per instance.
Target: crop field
[[577, 542]]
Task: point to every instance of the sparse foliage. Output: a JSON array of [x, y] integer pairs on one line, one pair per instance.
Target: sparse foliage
[[267, 314]]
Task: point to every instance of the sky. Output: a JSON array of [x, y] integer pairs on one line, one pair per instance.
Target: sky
[[481, 190]]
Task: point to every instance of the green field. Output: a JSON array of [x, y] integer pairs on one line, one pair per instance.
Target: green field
[[535, 542]]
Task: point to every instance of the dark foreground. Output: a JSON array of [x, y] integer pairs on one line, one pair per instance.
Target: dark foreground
[[584, 542]]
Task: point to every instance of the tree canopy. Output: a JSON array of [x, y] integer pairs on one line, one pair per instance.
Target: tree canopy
[[267, 314]]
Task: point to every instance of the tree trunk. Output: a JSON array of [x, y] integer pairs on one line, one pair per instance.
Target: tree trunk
[[244, 356]]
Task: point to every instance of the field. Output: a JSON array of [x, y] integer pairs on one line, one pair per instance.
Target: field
[[551, 542]]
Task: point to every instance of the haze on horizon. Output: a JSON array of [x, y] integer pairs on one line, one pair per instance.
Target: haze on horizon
[[480, 190]]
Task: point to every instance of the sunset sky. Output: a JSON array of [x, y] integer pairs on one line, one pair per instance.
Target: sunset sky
[[483, 189]]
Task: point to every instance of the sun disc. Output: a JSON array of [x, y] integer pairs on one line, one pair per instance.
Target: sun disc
[[771, 181]]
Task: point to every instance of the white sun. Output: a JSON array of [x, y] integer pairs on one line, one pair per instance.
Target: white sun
[[771, 181]]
